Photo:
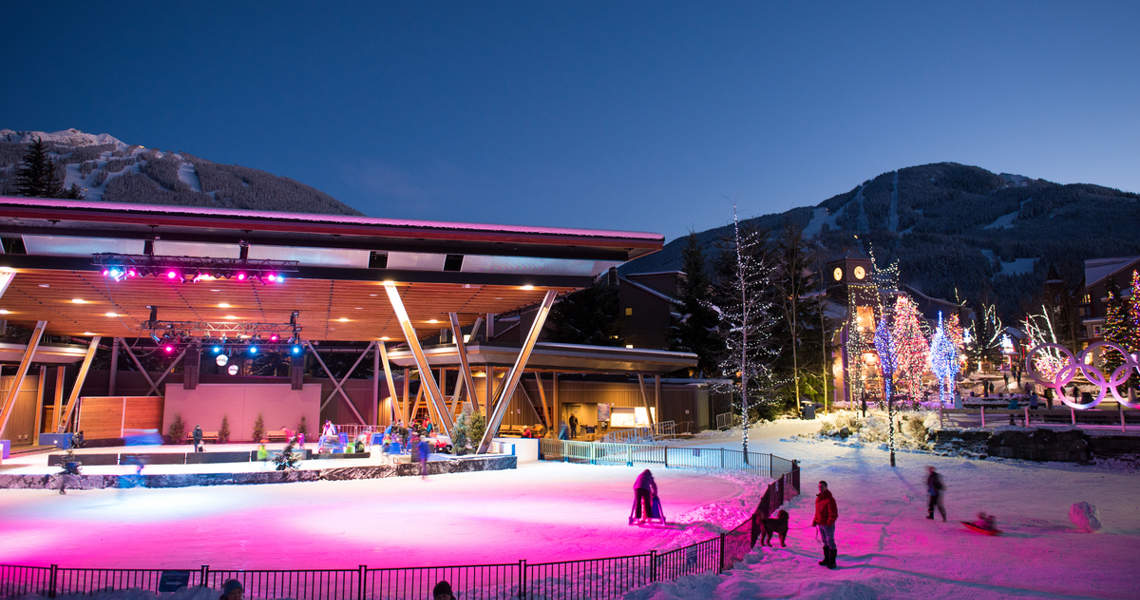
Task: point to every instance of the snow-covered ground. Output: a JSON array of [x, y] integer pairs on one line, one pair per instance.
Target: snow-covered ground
[[888, 549], [540, 512]]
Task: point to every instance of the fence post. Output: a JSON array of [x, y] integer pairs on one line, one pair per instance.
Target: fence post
[[983, 417], [361, 575], [722, 458], [720, 563], [522, 579], [628, 455], [593, 453], [52, 581], [771, 469], [204, 575], [666, 457], [1073, 415], [1027, 416], [1120, 407], [652, 566]]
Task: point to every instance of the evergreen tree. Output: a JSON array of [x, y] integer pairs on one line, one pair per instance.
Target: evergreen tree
[[36, 177], [911, 348], [696, 331], [588, 316], [792, 278], [1134, 314], [1115, 330]]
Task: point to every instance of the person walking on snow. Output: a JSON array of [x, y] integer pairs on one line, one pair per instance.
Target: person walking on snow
[[934, 489], [573, 426], [826, 513], [197, 438]]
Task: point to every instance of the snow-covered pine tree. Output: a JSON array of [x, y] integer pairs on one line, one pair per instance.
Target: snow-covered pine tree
[[746, 322]]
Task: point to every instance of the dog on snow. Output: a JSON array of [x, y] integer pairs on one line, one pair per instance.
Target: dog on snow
[[778, 525]]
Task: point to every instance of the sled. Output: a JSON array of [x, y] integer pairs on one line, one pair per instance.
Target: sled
[[656, 513], [982, 530]]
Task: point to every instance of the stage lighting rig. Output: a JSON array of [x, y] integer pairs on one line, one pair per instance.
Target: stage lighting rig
[[192, 269]]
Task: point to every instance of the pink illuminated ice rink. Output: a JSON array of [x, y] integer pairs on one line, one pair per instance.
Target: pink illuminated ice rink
[[540, 512]]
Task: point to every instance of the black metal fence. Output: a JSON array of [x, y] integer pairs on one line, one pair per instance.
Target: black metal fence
[[589, 579]]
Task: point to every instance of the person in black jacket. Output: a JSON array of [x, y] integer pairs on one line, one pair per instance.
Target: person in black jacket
[[644, 490], [934, 490], [197, 438]]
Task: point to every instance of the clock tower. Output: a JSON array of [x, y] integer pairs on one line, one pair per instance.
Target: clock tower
[[850, 283]]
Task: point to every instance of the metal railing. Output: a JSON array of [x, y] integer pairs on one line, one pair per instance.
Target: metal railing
[[598, 578], [681, 457], [727, 420]]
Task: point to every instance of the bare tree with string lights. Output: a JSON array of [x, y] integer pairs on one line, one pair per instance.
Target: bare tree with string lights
[[747, 318], [885, 346]]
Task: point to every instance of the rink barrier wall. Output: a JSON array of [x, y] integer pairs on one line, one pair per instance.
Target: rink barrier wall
[[589, 579]]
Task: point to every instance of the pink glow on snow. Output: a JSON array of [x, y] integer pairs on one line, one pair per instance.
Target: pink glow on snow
[[540, 512]]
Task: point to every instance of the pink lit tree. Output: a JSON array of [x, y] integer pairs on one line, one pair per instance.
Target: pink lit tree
[[911, 347]]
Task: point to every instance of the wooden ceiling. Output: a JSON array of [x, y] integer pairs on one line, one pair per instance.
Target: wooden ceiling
[[85, 303]]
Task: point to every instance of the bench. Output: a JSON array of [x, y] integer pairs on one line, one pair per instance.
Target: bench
[[277, 435], [207, 436]]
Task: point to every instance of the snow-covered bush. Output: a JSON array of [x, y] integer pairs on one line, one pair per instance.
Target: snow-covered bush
[[914, 429], [1084, 516]]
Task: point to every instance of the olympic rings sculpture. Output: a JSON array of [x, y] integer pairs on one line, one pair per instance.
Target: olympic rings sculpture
[[1070, 365]]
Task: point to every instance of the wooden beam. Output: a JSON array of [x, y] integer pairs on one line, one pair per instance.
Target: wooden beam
[[427, 379], [407, 397], [557, 405], [60, 373], [644, 398], [39, 405], [461, 350], [397, 407], [72, 400], [656, 399], [513, 376], [18, 380], [113, 372], [542, 396], [376, 386]]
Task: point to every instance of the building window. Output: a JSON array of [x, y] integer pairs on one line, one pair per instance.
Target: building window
[[1087, 299], [629, 311], [1096, 330]]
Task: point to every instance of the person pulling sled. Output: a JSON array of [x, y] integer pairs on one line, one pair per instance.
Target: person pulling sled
[[646, 504]]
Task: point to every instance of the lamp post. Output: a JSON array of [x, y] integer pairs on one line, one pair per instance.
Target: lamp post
[[885, 346]]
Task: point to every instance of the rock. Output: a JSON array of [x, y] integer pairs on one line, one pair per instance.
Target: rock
[[1084, 517], [844, 432]]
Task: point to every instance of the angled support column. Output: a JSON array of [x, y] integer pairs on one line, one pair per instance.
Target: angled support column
[[435, 397], [455, 395], [138, 365], [542, 396], [464, 366], [406, 397], [39, 405], [174, 363], [339, 387], [336, 384], [397, 406], [65, 414], [21, 371], [376, 386], [515, 374]]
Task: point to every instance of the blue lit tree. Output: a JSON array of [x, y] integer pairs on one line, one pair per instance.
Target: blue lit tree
[[888, 361]]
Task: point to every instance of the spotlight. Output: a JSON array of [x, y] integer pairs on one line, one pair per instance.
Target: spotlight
[[253, 349], [296, 349], [217, 349], [132, 273], [242, 276], [172, 274], [168, 349], [274, 337]]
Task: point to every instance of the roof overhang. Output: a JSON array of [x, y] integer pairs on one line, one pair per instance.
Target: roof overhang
[[566, 358], [340, 263], [47, 354]]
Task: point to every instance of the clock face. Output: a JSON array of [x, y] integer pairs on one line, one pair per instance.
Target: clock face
[[837, 273], [859, 272]]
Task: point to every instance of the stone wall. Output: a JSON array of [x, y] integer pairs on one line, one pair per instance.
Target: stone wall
[[1062, 445]]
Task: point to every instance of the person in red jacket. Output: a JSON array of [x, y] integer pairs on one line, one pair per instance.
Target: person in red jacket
[[826, 512]]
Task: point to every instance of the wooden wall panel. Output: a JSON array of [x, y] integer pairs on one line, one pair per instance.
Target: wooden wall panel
[[22, 422], [143, 412], [101, 417]]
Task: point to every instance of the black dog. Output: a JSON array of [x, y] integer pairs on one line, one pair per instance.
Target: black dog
[[779, 525]]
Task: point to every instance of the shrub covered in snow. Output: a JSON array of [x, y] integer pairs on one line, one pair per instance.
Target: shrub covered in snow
[[1084, 516], [914, 429]]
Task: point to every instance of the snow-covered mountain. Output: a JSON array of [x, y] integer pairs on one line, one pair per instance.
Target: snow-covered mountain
[[111, 170], [956, 227]]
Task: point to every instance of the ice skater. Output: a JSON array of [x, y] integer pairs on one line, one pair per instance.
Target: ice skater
[[424, 449], [232, 590], [644, 491], [934, 490], [826, 513], [70, 468]]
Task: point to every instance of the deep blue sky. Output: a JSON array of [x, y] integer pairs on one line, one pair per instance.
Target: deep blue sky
[[644, 116]]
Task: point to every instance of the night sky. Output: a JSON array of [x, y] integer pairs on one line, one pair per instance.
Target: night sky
[[646, 116]]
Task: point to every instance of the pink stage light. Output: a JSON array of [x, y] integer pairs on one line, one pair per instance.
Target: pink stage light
[[274, 338], [132, 273], [241, 276], [106, 272], [172, 274], [169, 349]]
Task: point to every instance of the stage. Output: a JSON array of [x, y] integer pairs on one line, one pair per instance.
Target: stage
[[42, 471]]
